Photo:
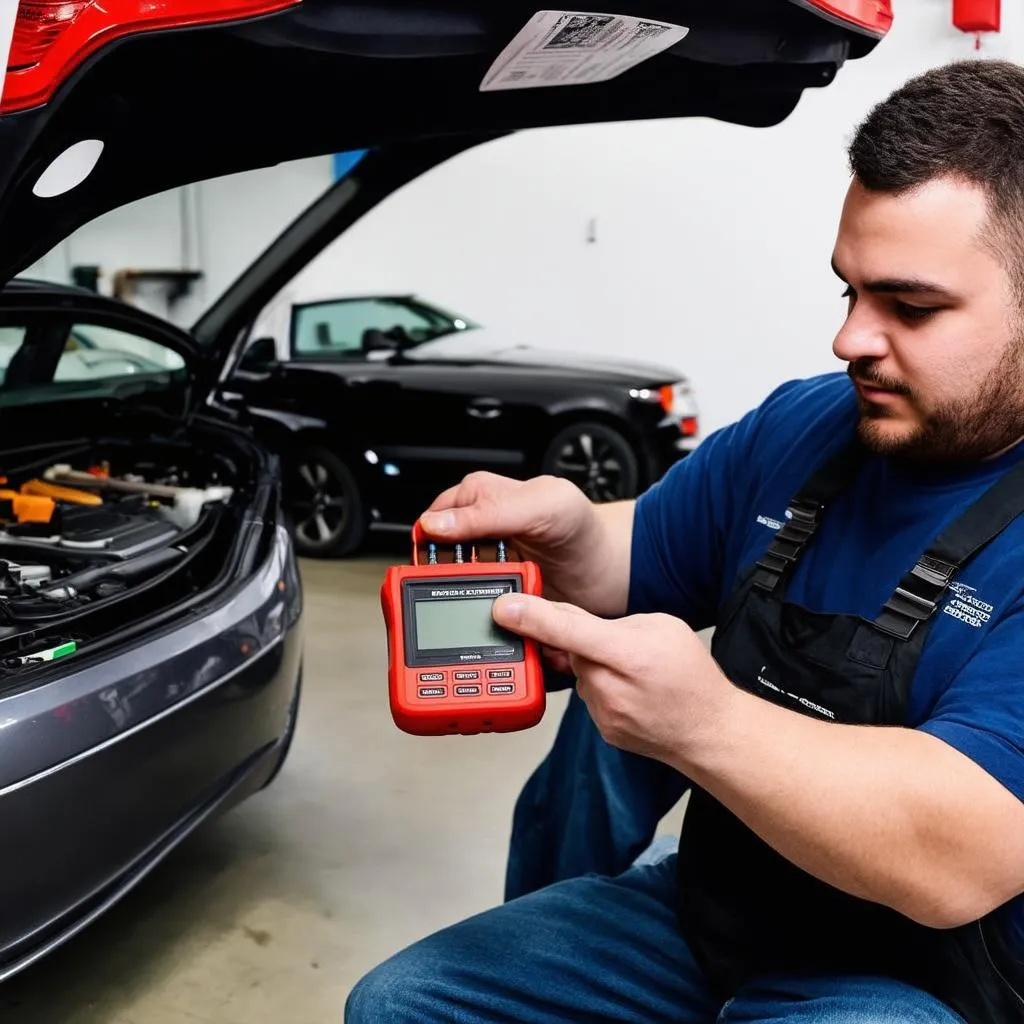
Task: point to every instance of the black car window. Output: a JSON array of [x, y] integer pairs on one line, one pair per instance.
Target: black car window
[[45, 358], [11, 339], [353, 327], [93, 352]]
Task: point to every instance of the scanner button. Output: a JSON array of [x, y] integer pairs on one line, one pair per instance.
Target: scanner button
[[431, 677], [470, 690], [460, 676], [433, 691], [500, 673], [499, 688]]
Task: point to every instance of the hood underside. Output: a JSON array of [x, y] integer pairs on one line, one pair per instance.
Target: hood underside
[[177, 106]]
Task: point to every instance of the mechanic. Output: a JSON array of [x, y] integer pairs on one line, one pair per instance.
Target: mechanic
[[853, 744]]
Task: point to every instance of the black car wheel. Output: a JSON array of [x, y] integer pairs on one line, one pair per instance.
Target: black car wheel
[[595, 457], [325, 506]]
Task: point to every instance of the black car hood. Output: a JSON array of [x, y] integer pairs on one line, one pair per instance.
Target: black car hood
[[399, 77], [579, 366], [486, 348]]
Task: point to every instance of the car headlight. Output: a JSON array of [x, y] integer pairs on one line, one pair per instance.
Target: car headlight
[[676, 400]]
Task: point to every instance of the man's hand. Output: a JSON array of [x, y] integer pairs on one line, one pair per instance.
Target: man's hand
[[649, 683], [582, 549], [893, 815]]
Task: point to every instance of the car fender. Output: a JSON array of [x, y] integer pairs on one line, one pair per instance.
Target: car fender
[[563, 413], [582, 405], [299, 433]]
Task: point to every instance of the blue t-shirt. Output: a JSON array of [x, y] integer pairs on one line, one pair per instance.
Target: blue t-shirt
[[715, 512]]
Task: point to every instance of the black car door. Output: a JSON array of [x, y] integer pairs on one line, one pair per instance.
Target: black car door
[[458, 422]]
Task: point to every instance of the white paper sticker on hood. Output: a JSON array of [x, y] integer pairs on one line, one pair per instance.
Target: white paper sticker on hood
[[8, 13], [571, 48]]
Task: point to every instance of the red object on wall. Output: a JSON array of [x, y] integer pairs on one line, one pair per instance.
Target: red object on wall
[[976, 15]]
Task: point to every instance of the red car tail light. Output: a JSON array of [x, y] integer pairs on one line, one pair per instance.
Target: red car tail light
[[37, 28], [873, 17], [53, 37]]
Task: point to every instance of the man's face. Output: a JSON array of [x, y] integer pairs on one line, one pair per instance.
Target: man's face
[[933, 336]]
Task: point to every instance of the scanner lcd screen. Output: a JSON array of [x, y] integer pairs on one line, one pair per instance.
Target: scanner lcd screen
[[447, 625]]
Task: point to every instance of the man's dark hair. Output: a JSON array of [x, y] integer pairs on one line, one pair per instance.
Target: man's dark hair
[[964, 120]]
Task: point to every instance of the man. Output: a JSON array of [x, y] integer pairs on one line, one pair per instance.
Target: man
[[853, 848]]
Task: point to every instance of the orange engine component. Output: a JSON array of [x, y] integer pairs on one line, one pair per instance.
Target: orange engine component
[[25, 508], [72, 495]]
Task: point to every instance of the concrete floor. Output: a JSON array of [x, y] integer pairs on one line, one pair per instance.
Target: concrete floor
[[368, 840]]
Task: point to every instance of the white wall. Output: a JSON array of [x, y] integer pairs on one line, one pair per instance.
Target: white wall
[[712, 241], [217, 226]]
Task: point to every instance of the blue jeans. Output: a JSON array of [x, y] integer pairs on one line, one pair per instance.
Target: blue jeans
[[601, 949], [589, 808]]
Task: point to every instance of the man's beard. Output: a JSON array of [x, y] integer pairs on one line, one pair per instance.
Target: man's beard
[[964, 429]]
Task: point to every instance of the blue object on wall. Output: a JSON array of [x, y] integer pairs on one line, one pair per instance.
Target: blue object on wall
[[344, 162]]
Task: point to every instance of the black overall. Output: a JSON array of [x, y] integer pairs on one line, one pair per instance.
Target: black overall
[[744, 909]]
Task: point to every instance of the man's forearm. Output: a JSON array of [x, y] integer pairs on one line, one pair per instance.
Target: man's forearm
[[604, 571], [891, 815]]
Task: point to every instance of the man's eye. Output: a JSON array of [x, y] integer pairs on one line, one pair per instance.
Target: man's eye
[[909, 311]]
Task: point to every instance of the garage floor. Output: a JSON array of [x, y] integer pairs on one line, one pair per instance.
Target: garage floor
[[368, 840]]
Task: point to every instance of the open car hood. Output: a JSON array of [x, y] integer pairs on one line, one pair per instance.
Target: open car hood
[[174, 96]]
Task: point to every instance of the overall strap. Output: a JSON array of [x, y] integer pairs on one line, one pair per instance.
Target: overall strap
[[803, 515], [919, 593]]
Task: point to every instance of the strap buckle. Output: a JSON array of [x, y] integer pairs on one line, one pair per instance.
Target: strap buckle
[[788, 542], [916, 598]]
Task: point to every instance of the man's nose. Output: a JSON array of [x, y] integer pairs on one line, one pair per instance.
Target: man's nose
[[862, 336]]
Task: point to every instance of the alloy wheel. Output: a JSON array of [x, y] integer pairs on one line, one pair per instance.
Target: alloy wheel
[[594, 465], [319, 504]]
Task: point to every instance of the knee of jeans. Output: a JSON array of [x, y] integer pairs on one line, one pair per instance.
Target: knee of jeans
[[411, 985], [377, 996]]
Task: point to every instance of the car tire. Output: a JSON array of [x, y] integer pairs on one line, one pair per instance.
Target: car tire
[[595, 457], [324, 505]]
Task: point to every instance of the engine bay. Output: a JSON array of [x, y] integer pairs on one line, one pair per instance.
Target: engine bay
[[94, 540]]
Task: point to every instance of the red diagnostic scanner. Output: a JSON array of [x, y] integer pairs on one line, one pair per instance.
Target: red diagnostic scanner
[[451, 668]]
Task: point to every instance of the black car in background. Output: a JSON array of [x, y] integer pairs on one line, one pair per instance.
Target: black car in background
[[377, 402]]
